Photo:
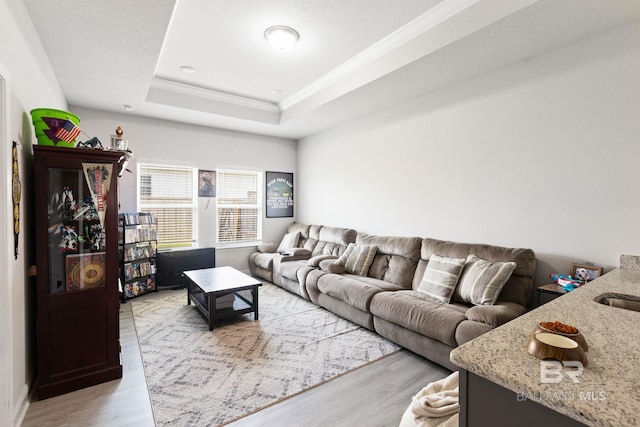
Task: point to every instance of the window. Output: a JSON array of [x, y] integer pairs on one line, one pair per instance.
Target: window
[[169, 191], [239, 206]]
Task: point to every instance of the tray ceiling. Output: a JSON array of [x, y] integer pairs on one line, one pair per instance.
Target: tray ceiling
[[354, 57]]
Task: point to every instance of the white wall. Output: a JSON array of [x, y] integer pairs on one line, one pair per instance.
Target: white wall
[[543, 154], [31, 84], [205, 148]]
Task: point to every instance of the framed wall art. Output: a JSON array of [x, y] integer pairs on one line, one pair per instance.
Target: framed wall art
[[279, 193], [206, 183]]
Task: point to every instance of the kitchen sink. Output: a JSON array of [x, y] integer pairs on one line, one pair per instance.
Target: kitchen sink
[[627, 302]]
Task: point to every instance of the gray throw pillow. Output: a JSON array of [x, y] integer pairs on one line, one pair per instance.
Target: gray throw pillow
[[441, 277], [482, 280], [357, 259], [289, 241]]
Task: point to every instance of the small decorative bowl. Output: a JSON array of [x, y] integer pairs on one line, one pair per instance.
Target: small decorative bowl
[[577, 337], [547, 345]]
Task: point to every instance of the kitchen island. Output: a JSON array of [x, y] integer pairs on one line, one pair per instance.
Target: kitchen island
[[502, 384]]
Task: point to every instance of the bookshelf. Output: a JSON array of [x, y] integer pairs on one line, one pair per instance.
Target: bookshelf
[[138, 236]]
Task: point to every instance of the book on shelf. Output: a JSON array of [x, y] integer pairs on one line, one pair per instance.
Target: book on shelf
[[134, 235], [225, 301], [138, 218]]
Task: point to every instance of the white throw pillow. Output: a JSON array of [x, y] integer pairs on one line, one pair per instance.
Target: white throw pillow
[[357, 259], [289, 241], [441, 277], [482, 280]]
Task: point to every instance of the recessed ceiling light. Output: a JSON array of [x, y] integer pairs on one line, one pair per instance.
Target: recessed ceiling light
[[281, 38], [128, 107], [187, 69]]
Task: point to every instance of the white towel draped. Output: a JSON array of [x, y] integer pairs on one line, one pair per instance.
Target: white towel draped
[[435, 405]]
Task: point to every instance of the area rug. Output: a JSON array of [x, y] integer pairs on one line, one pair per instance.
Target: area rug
[[198, 377]]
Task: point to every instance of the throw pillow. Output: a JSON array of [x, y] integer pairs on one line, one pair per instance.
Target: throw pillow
[[441, 276], [482, 280], [357, 259], [289, 241]]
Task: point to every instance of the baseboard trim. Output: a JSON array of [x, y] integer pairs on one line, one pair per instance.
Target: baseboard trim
[[21, 407]]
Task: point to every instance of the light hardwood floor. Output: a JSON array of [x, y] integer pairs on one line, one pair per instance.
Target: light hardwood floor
[[375, 395]]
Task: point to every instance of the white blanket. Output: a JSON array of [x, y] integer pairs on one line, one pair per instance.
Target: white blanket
[[435, 405]]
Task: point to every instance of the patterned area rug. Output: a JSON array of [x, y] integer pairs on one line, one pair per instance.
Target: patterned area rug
[[198, 377]]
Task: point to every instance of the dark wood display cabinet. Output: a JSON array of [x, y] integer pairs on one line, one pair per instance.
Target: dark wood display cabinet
[[76, 216]]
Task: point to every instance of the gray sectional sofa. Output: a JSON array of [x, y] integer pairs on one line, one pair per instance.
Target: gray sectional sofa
[[386, 283]]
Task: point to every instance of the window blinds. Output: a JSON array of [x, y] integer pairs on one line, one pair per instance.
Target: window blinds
[[239, 207], [169, 192]]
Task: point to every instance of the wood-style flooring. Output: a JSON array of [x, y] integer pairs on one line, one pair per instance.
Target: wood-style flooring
[[375, 395]]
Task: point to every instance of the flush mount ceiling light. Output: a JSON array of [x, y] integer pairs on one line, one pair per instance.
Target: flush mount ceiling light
[[281, 38], [187, 69], [128, 107]]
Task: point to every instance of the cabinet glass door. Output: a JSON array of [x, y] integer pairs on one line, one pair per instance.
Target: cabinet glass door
[[77, 239]]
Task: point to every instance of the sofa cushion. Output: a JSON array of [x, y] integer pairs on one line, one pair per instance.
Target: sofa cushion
[[519, 287], [315, 261], [357, 258], [289, 241], [289, 269], [441, 276], [332, 240], [350, 290], [495, 315], [482, 280], [396, 257], [419, 313], [310, 243]]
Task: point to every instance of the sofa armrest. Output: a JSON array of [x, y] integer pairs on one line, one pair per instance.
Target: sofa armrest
[[495, 315], [296, 254], [268, 248], [316, 260], [331, 266]]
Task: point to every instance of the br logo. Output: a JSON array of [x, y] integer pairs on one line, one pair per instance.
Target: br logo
[[552, 371]]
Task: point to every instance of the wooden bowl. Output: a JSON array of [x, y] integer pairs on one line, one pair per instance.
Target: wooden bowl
[[579, 338], [546, 345]]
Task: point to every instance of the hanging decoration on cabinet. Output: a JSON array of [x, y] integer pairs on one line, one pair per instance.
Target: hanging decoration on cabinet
[[98, 176], [16, 195], [279, 194]]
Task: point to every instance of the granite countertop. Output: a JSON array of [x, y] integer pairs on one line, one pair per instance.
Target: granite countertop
[[608, 392]]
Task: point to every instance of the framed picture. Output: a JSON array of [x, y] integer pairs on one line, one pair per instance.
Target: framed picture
[[586, 273], [85, 271], [279, 194], [206, 183]]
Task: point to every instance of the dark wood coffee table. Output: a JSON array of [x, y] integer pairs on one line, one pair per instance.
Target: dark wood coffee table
[[206, 285]]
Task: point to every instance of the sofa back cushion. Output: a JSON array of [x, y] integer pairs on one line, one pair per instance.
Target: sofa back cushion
[[396, 258], [303, 230], [331, 240], [519, 288]]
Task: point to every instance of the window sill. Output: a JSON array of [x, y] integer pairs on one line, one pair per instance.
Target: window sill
[[242, 245]]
